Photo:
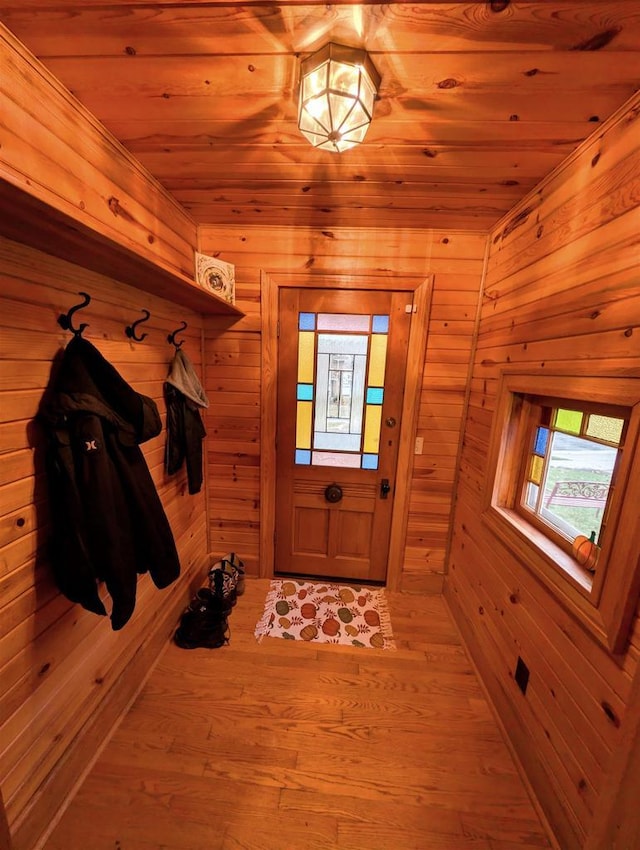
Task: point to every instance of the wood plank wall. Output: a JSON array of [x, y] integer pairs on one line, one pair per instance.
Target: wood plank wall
[[56, 152], [66, 676], [562, 288], [233, 370]]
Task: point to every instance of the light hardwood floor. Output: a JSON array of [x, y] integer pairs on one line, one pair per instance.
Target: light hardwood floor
[[285, 745]]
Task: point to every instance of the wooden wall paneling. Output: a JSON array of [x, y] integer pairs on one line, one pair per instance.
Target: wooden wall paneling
[[5, 838], [617, 820], [608, 162], [204, 95], [66, 676], [561, 290], [71, 189], [102, 34], [543, 754], [564, 676], [445, 373], [373, 258], [103, 187], [232, 370], [491, 670], [574, 742]]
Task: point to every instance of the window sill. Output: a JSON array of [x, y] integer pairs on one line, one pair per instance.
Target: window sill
[[604, 602], [554, 567]]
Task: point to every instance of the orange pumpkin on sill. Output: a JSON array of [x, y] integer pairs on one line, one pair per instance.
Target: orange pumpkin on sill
[[585, 550]]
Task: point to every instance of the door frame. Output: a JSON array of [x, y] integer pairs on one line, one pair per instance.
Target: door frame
[[421, 290]]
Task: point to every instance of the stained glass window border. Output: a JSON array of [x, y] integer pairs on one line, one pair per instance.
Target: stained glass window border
[[310, 327]]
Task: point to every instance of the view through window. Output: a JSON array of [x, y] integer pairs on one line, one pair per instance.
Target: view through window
[[571, 469]]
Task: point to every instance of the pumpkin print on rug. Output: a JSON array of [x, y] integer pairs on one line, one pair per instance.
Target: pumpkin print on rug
[[351, 615]]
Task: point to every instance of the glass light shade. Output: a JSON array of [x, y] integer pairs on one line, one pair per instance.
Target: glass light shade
[[337, 91]]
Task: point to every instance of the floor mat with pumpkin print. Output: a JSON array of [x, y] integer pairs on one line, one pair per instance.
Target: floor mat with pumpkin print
[[351, 615]]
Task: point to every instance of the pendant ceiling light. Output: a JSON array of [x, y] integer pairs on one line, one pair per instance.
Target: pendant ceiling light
[[338, 87]]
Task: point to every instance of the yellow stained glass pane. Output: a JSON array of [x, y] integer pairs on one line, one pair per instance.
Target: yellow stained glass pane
[[537, 467], [605, 428], [306, 341], [303, 425], [377, 359], [373, 419]]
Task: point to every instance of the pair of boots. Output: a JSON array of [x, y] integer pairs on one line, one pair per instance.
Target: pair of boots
[[204, 623], [228, 573]]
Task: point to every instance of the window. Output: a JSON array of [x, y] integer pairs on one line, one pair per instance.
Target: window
[[340, 389], [561, 495], [569, 472]]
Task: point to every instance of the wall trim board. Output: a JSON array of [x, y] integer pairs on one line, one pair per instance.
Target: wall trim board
[[268, 404], [410, 410], [467, 398]]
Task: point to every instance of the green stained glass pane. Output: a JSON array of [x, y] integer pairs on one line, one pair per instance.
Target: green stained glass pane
[[605, 428], [569, 420], [536, 469]]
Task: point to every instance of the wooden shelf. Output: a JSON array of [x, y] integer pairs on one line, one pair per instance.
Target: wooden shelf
[[26, 219]]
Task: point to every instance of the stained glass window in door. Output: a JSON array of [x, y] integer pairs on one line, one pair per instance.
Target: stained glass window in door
[[340, 378], [340, 389]]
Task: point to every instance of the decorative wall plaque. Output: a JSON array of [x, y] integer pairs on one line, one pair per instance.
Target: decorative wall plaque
[[216, 276]]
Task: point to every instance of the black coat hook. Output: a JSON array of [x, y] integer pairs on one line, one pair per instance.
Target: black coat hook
[[172, 336], [64, 320], [130, 330]]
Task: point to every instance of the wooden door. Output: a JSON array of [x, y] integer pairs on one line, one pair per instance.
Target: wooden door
[[341, 365]]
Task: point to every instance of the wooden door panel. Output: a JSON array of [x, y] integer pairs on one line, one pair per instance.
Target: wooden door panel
[[311, 531], [349, 538], [352, 534]]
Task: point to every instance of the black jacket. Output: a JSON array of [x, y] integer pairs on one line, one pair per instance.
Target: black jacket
[[185, 433], [108, 521], [184, 396]]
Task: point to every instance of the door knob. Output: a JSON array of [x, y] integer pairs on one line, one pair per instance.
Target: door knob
[[385, 488], [390, 422], [333, 493]]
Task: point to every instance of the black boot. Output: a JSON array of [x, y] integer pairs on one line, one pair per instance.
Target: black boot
[[204, 623]]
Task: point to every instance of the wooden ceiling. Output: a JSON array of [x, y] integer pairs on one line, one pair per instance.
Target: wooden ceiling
[[478, 101]]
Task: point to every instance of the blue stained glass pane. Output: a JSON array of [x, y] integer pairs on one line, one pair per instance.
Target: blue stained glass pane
[[542, 437], [369, 461], [380, 325], [374, 395], [305, 392], [306, 321], [303, 456]]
